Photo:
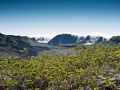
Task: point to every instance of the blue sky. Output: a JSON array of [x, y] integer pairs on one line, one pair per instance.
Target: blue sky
[[52, 17]]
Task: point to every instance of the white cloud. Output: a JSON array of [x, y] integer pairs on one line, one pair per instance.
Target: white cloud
[[78, 34], [39, 35], [101, 34], [93, 34]]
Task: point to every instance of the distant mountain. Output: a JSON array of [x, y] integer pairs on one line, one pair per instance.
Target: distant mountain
[[13, 44], [114, 40], [91, 40], [42, 40], [63, 39], [18, 45], [72, 39]]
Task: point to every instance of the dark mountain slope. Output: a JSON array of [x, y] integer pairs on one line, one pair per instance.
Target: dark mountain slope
[[13, 44], [115, 40], [63, 39], [72, 39]]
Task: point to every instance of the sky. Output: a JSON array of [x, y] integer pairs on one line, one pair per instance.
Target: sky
[[36, 18]]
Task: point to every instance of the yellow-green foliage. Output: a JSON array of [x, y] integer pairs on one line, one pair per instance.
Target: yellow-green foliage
[[58, 72]]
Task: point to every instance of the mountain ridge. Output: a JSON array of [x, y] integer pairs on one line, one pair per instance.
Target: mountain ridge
[[13, 45], [71, 39]]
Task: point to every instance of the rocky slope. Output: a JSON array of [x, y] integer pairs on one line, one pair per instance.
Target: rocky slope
[[63, 39], [12, 45], [23, 45], [72, 39], [115, 40]]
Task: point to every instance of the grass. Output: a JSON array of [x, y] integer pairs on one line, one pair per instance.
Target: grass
[[92, 67]]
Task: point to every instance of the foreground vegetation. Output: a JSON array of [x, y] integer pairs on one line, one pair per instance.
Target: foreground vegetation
[[95, 67]]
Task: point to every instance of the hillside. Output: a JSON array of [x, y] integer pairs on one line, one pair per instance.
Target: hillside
[[24, 46], [12, 45], [115, 40], [73, 39], [63, 39]]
